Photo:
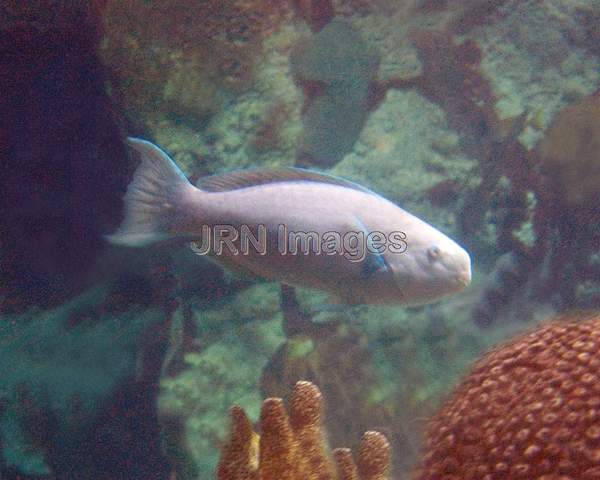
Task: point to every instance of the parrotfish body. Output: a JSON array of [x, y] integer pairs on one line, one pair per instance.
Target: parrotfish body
[[364, 248]]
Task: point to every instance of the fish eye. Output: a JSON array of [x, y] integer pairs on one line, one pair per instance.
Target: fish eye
[[433, 253]]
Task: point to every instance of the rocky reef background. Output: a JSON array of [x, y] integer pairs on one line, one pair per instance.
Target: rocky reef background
[[480, 117]]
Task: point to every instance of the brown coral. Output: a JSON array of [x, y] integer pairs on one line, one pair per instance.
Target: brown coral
[[293, 447], [451, 78], [570, 154], [317, 13], [529, 409]]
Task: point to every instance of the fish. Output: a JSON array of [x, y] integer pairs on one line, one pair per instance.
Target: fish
[[299, 227]]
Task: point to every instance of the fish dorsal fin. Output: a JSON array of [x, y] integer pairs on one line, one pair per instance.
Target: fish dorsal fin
[[251, 178]]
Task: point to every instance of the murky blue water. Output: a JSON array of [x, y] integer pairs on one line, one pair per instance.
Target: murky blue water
[[121, 362]]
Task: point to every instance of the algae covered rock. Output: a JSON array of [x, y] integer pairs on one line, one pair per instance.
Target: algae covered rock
[[234, 342], [185, 55], [340, 65], [397, 156]]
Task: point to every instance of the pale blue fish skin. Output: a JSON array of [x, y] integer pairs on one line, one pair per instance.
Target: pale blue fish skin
[[161, 204]]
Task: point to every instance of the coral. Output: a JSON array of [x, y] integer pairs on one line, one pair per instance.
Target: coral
[[176, 64], [501, 157], [337, 359], [362, 8], [562, 175], [268, 135], [443, 193], [570, 154], [317, 13], [394, 156], [333, 356], [430, 6], [359, 390], [537, 204], [474, 13], [528, 409], [480, 84], [462, 16], [532, 64], [498, 290], [551, 192], [185, 56], [293, 447], [450, 78], [334, 55]]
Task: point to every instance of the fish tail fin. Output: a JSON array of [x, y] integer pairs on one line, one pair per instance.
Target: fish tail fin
[[156, 202]]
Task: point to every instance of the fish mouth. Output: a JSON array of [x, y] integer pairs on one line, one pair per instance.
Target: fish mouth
[[463, 279]]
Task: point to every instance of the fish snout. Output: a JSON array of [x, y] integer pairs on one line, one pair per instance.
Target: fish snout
[[461, 269], [463, 273], [463, 278]]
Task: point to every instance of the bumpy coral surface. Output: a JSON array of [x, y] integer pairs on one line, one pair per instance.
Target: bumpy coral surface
[[529, 409], [292, 447]]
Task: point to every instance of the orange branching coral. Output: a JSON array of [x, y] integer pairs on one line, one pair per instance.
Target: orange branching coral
[[529, 409], [338, 359], [238, 459], [373, 459], [340, 363], [293, 447]]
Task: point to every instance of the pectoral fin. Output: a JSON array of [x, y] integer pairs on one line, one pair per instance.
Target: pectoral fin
[[374, 261]]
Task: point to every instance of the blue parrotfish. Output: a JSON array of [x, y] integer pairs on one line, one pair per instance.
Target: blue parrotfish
[[296, 226]]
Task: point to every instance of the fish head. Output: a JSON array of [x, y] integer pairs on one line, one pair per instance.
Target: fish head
[[430, 269]]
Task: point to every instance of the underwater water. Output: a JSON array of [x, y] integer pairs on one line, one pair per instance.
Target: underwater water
[[126, 125]]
